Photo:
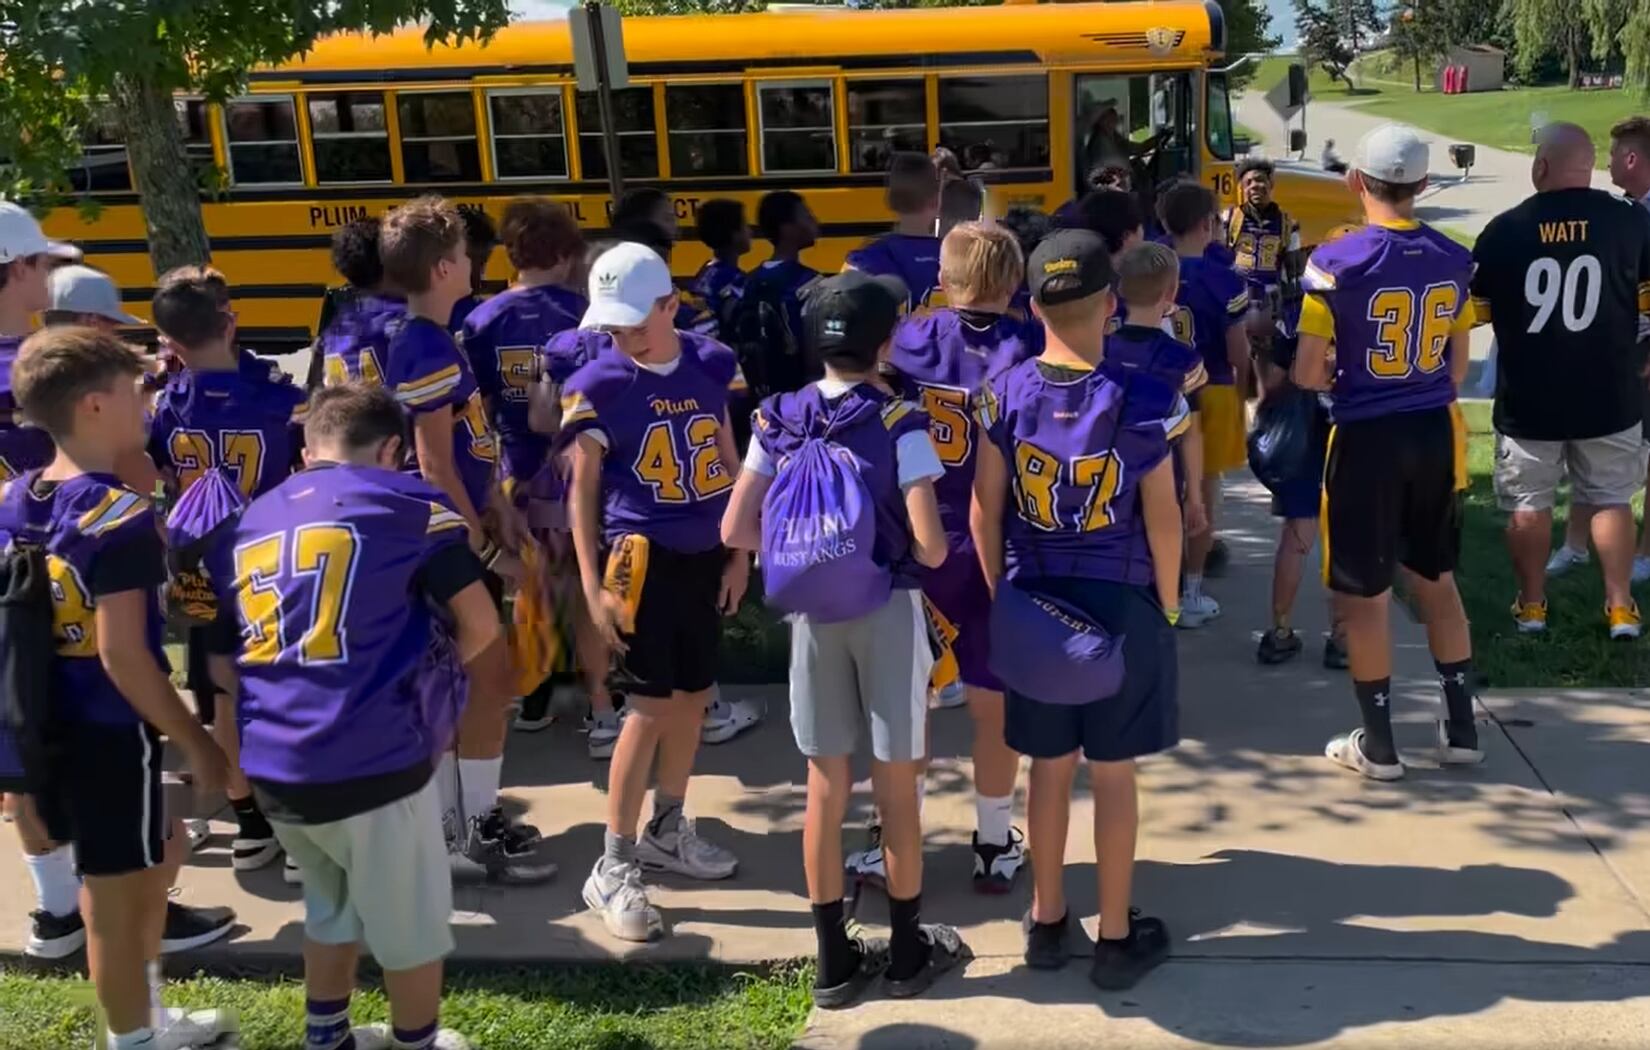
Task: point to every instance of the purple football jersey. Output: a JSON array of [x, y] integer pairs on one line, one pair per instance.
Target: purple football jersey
[[461, 313], [502, 338], [1211, 299], [913, 259], [322, 574], [717, 282], [1259, 240], [663, 476], [99, 538], [1389, 297], [428, 373], [944, 356], [1137, 349], [247, 421], [867, 422], [356, 345], [1077, 449], [569, 351], [22, 447]]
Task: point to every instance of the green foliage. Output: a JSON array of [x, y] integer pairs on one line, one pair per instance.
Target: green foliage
[[1545, 28], [1323, 42], [1420, 34], [1635, 48]]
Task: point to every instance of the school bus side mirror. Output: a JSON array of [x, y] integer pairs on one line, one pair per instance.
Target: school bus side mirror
[[1297, 141], [1297, 86]]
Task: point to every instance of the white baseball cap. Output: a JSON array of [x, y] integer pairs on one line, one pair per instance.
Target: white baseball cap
[[1393, 153], [625, 282], [21, 237], [83, 290]]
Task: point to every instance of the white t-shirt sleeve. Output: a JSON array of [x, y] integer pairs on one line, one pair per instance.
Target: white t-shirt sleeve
[[916, 459], [757, 461]]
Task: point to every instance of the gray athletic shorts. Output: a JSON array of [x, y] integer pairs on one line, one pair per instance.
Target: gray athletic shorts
[[1604, 471], [866, 673], [380, 877]]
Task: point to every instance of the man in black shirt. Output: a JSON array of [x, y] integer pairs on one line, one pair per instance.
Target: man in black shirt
[[1564, 278]]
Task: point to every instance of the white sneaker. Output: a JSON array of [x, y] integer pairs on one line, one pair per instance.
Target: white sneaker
[[179, 1028], [1566, 558], [291, 874], [869, 865], [602, 733], [1641, 568], [726, 719], [621, 898], [198, 831], [1348, 750], [996, 866], [1197, 610], [1450, 755], [681, 850], [379, 1037], [953, 695]]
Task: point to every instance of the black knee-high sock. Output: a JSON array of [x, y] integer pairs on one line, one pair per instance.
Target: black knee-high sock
[[838, 958], [1375, 702], [1456, 678], [908, 951]]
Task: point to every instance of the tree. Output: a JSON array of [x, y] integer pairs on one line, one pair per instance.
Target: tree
[[1544, 27], [1635, 47], [1321, 40], [1419, 33], [59, 57]]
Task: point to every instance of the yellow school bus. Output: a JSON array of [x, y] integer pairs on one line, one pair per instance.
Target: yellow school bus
[[718, 106]]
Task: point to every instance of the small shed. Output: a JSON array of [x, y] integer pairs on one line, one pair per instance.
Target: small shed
[[1486, 66]]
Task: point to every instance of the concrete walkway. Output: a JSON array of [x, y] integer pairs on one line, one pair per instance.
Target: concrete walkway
[[1499, 907]]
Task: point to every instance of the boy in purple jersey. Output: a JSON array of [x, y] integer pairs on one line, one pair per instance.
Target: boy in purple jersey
[[1074, 499], [941, 357], [423, 251], [480, 238], [113, 699], [353, 346], [359, 618], [653, 462], [912, 251], [864, 676], [226, 408], [723, 229], [1384, 329], [1213, 304], [1265, 243], [785, 220]]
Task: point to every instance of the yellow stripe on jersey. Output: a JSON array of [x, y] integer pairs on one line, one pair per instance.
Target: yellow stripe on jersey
[[1644, 297], [300, 412], [1178, 422], [1314, 279], [428, 388], [985, 407], [1196, 379], [1239, 303], [1466, 319], [117, 507], [1480, 310], [443, 520], [1316, 317], [895, 411], [576, 408]]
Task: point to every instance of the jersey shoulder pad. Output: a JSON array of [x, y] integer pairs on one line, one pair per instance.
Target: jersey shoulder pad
[[715, 358], [102, 513]]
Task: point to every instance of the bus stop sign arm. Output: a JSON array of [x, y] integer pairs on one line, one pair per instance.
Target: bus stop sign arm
[[599, 63]]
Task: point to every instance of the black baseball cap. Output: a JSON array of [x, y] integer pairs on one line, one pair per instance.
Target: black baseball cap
[[1069, 265], [850, 315]]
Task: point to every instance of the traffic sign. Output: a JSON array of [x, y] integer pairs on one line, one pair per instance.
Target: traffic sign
[[1278, 99], [598, 36]]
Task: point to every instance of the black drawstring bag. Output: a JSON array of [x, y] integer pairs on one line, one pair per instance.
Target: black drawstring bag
[[26, 653]]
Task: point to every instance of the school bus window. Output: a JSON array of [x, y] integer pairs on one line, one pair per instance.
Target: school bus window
[[352, 142], [996, 122], [438, 136], [707, 130], [798, 126], [197, 138], [262, 134], [103, 156], [884, 117], [529, 139], [633, 123], [1218, 118]]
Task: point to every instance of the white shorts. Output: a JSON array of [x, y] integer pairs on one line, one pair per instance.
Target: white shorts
[[1604, 471]]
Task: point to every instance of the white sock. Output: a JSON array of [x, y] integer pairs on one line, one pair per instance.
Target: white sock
[[922, 793], [993, 817], [157, 1010], [1193, 586], [478, 783], [56, 887], [446, 788], [137, 1039], [1575, 552]]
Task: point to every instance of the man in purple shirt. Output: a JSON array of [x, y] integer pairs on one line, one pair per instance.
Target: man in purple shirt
[[1384, 329]]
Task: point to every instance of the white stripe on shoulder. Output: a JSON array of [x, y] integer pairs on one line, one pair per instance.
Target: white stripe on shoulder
[[1315, 279], [124, 506]]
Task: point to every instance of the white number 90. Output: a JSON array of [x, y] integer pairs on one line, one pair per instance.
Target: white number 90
[[1546, 283]]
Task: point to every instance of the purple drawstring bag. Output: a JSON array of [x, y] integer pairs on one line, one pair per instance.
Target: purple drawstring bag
[[1044, 649], [440, 689], [202, 517], [818, 529]]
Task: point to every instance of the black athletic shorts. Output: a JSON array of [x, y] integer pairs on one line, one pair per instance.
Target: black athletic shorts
[[105, 797], [674, 628], [198, 675], [1389, 499]]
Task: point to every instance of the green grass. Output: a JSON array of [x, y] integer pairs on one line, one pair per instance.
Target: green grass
[[1575, 651], [1459, 236], [1275, 68], [1503, 118], [617, 1007]]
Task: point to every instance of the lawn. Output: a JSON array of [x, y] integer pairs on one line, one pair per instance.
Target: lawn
[[628, 1007], [1275, 68], [1575, 651], [1503, 119]]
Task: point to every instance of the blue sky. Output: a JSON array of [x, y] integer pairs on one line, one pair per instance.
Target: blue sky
[[539, 8]]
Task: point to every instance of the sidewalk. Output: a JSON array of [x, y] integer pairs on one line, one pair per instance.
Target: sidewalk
[[1308, 907]]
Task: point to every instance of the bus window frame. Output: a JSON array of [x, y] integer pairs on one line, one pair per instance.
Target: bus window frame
[[389, 135], [559, 91], [1047, 76], [299, 116], [1205, 132], [925, 84], [662, 115], [403, 138], [660, 160], [830, 84]]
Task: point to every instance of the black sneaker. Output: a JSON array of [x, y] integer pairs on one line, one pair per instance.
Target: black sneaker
[[946, 951], [1220, 556], [55, 936], [995, 867], [1047, 943], [515, 838], [1119, 965], [535, 709], [1279, 645], [255, 845], [1334, 654], [188, 927], [873, 960]]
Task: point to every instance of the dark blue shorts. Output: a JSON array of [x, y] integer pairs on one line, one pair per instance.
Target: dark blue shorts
[[1301, 498], [1143, 718]]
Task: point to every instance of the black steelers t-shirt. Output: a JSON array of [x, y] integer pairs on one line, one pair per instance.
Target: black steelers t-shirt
[[1564, 277]]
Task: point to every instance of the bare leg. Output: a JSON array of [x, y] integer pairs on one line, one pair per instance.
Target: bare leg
[[1446, 619], [592, 653], [829, 786], [1116, 822], [1048, 816], [120, 913], [1288, 566], [1529, 541], [1367, 622], [1612, 529], [1199, 544], [679, 741], [415, 995], [1579, 528], [633, 761], [329, 970], [996, 765], [895, 787]]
